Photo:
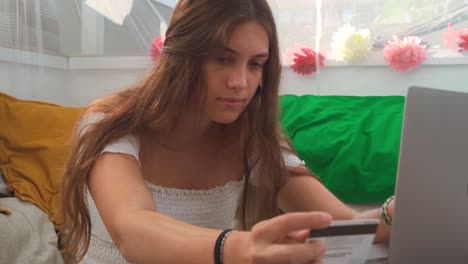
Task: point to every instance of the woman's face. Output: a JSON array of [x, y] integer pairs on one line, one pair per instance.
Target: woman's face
[[233, 73]]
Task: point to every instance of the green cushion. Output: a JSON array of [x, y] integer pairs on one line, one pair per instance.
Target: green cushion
[[350, 142]]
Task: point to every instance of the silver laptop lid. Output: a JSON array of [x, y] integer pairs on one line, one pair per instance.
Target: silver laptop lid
[[430, 224]]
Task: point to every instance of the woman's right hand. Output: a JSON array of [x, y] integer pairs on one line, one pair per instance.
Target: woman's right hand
[[279, 240]]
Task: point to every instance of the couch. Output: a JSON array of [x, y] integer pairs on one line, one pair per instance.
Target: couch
[[350, 142]]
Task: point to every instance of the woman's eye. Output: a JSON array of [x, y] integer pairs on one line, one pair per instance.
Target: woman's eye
[[224, 59], [257, 65]]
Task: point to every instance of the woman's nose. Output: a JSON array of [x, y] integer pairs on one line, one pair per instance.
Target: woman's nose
[[237, 78]]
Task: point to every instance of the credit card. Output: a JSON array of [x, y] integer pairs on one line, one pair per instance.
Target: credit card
[[347, 241]]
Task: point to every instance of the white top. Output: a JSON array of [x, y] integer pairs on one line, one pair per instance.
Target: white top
[[212, 208]]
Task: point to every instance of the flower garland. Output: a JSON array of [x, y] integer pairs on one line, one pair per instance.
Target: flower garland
[[303, 60], [454, 39], [463, 44], [156, 48], [404, 54], [351, 46]]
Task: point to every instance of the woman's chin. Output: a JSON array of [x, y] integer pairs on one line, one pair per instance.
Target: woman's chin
[[225, 119]]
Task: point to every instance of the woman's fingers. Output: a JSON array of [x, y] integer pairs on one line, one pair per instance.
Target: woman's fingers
[[277, 228], [297, 236], [281, 239], [296, 253]]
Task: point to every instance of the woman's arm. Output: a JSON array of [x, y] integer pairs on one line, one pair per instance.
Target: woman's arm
[[383, 230], [127, 209], [143, 235], [306, 193]]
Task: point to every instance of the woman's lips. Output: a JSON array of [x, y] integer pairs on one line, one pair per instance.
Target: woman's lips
[[231, 101]]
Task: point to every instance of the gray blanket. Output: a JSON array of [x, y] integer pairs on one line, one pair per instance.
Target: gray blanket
[[27, 235]]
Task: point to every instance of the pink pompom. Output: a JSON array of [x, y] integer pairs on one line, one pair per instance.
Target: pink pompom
[[463, 40], [456, 39], [302, 59], [450, 38], [404, 54], [156, 48]]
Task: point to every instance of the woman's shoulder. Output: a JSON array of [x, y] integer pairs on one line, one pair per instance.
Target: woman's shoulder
[[128, 144]]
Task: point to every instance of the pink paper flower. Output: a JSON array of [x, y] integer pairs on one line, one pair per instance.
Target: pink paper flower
[[456, 39], [302, 59], [451, 38], [404, 54], [156, 48], [463, 36]]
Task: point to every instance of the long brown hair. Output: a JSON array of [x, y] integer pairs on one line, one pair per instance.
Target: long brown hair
[[196, 26]]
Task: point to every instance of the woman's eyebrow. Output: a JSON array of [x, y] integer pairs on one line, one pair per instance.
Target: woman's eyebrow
[[259, 55]]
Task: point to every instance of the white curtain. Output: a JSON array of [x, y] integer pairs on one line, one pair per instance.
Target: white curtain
[[29, 36], [129, 29], [38, 37], [305, 21], [29, 25], [64, 27]]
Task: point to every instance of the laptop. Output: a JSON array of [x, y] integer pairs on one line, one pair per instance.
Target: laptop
[[430, 222]]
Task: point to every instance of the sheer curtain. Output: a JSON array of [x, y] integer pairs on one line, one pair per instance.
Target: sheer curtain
[[29, 25], [42, 41], [29, 39], [122, 27], [128, 27], [313, 22], [298, 20]]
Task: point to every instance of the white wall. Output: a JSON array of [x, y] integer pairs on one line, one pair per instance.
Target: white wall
[[87, 85], [375, 80], [34, 83], [79, 80], [60, 86]]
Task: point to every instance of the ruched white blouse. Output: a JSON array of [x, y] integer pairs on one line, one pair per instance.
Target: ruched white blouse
[[212, 208]]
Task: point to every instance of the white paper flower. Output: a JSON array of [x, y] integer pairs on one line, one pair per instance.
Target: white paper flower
[[349, 45]]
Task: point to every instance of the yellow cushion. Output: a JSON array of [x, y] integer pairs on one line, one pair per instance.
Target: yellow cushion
[[34, 147]]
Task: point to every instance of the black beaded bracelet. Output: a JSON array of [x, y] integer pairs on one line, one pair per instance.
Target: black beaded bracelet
[[219, 245]]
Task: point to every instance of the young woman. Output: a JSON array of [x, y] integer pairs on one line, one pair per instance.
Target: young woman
[[158, 171]]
